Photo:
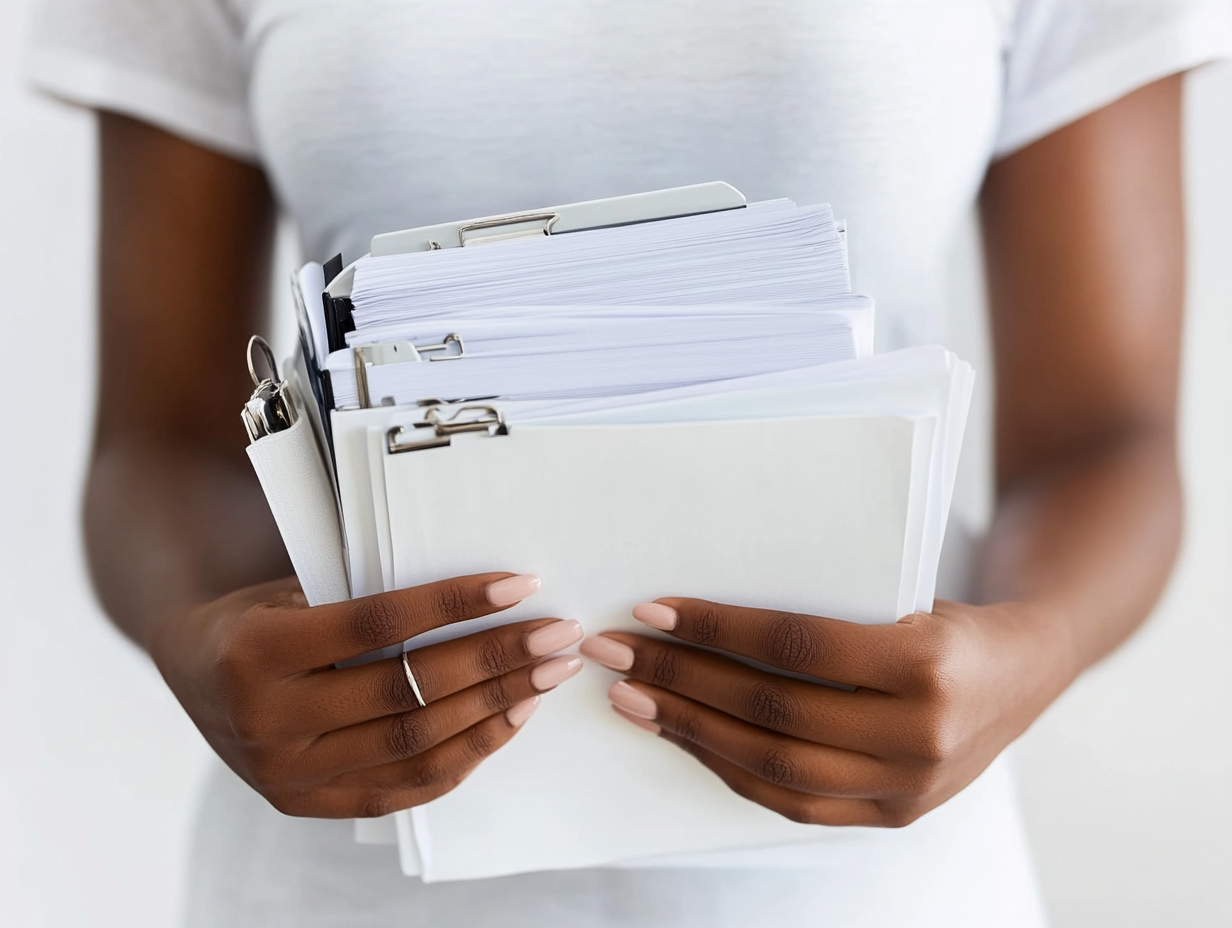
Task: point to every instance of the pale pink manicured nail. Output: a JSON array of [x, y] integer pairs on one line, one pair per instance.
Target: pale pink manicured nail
[[633, 701], [639, 722], [608, 652], [656, 615], [512, 589], [554, 672], [517, 715], [553, 637]]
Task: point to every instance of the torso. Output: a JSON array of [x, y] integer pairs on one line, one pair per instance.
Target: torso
[[375, 115]]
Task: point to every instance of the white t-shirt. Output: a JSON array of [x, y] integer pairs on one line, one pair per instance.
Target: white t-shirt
[[374, 115]]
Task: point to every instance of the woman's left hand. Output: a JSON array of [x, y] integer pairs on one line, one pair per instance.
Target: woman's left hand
[[937, 697]]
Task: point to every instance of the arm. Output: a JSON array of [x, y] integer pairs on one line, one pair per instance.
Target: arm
[[173, 511], [1085, 249], [1085, 257], [184, 553]]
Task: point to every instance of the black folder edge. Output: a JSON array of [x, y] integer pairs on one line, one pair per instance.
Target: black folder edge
[[318, 378]]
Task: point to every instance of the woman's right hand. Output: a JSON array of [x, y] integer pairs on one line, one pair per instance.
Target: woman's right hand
[[255, 672]]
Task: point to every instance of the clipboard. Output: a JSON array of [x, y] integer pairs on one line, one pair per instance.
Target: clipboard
[[672, 203]]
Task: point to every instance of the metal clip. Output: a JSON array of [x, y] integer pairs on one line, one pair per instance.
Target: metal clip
[[489, 420], [269, 409], [397, 352], [549, 217], [451, 339], [437, 401]]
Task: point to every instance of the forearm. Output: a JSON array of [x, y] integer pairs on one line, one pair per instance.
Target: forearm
[[169, 527], [1084, 244], [173, 512], [1088, 547]]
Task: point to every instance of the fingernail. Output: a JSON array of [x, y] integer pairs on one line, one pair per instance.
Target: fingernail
[[552, 637], [517, 715], [554, 672], [639, 722], [512, 589], [633, 701], [656, 615], [608, 652]]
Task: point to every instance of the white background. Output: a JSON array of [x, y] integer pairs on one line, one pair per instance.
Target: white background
[[1127, 781]]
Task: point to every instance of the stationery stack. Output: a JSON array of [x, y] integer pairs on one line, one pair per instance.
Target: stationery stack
[[666, 394]]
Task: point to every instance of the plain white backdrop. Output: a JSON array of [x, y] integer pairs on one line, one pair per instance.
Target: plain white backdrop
[[1126, 780]]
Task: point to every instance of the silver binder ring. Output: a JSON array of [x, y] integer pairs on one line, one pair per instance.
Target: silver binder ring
[[258, 342], [270, 409], [410, 678]]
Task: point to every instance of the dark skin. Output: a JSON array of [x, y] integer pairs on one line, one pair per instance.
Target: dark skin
[[1083, 234]]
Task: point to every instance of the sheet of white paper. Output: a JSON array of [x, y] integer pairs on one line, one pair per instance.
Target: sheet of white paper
[[819, 530]]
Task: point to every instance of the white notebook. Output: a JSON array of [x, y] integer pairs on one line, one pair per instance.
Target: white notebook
[[685, 406]]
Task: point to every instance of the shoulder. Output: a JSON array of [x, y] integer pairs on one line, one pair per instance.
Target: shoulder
[[1068, 58]]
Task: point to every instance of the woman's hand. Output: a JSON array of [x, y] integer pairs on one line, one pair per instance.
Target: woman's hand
[[937, 697], [255, 671]]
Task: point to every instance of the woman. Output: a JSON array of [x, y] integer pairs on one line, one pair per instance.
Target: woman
[[1062, 119]]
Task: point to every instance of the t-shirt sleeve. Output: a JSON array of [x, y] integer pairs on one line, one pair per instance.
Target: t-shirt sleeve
[[1068, 58], [177, 64]]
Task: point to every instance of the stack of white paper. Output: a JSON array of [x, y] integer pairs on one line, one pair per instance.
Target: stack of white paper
[[531, 352], [687, 407], [770, 253], [799, 492]]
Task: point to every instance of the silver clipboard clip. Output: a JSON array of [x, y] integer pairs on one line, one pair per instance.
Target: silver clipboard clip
[[464, 419], [540, 224], [450, 349], [672, 203]]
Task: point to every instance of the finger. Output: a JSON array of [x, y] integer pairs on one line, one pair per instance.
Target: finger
[[872, 656], [338, 631], [409, 734], [863, 721], [778, 759], [805, 808], [337, 698], [389, 788]]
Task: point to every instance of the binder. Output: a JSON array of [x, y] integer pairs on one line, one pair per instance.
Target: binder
[[288, 455], [380, 495]]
